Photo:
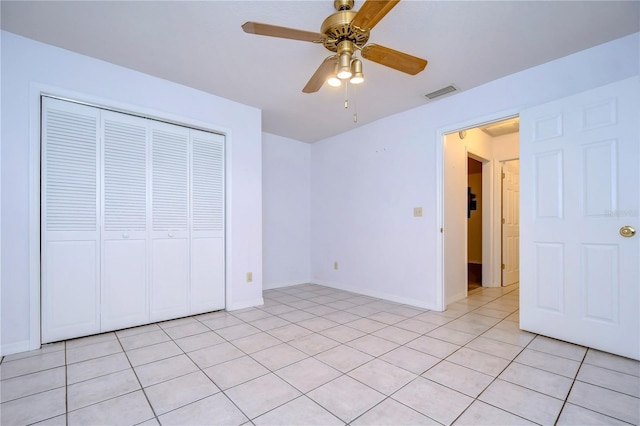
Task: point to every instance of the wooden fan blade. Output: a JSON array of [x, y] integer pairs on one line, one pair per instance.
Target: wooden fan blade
[[320, 76], [282, 32], [371, 12], [394, 59]]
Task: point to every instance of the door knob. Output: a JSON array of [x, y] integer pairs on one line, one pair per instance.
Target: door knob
[[170, 234], [125, 235], [627, 231]]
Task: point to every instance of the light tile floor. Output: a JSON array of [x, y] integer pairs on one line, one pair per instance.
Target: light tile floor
[[313, 355]]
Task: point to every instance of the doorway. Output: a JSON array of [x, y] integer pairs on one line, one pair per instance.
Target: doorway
[[474, 224], [474, 154]]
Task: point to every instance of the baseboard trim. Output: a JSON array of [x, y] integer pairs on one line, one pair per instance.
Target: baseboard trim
[[245, 304], [456, 297], [380, 295], [17, 347], [283, 284]]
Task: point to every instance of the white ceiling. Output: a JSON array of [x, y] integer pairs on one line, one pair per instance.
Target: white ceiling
[[201, 45]]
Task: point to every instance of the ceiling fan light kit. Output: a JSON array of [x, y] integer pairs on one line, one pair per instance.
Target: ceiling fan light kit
[[346, 32], [358, 76]]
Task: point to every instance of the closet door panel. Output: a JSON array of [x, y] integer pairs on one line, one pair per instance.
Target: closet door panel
[[207, 275], [208, 222], [69, 221], [125, 231], [170, 221], [71, 299], [125, 294], [170, 290]]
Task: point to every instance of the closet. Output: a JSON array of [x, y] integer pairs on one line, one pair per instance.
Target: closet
[[132, 220]]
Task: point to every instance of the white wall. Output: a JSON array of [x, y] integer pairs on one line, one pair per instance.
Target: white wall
[[286, 215], [364, 183], [27, 68]]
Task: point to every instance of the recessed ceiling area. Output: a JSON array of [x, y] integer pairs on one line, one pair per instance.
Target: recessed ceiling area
[[504, 127], [201, 44]]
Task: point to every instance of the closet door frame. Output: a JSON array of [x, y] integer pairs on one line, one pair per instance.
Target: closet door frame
[[36, 93]]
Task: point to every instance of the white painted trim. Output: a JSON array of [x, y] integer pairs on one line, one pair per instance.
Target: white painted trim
[[457, 297], [16, 347], [493, 227], [228, 241], [36, 91], [440, 138], [284, 284], [1, 348], [34, 217], [440, 304], [379, 295], [245, 304]]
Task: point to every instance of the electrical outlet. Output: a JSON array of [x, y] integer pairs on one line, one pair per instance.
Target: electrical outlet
[[249, 277], [335, 265], [417, 212]]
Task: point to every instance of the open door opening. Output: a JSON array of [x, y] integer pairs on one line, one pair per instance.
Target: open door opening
[[472, 239], [474, 224]]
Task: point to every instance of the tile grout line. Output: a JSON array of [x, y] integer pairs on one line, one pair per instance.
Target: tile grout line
[[222, 391], [66, 388], [388, 325], [573, 382], [312, 331], [386, 397], [472, 309], [153, 411]]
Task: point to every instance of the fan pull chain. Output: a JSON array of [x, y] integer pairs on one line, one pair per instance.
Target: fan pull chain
[[346, 95], [355, 105], [355, 101]]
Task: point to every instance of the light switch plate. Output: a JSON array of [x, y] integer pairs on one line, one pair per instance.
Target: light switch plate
[[417, 212]]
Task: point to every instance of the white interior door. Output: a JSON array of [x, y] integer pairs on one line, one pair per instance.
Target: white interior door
[[70, 233], [170, 214], [207, 219], [124, 218], [579, 163], [510, 222]]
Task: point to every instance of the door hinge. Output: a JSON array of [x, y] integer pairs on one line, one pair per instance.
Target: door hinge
[[441, 230], [503, 220], [503, 266], [503, 175]]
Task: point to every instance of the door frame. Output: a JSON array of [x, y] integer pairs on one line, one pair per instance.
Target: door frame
[[487, 203], [36, 91], [440, 167]]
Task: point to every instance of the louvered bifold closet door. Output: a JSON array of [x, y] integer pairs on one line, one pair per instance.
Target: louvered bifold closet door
[[208, 222], [170, 221], [125, 221], [70, 234]]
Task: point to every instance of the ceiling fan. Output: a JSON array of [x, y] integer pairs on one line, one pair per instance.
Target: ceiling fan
[[345, 32]]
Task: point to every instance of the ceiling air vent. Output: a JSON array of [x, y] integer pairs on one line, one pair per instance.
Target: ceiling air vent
[[441, 92]]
